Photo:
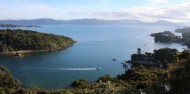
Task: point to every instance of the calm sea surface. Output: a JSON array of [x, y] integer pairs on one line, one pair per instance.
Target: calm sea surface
[[96, 46]]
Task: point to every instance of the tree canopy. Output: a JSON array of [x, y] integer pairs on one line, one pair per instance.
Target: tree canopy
[[166, 37], [16, 39]]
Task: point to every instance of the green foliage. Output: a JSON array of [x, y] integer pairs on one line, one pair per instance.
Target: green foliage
[[149, 79], [183, 30], [139, 51], [104, 78], [180, 78], [166, 37], [8, 84], [81, 83], [15, 25], [165, 54], [14, 40], [185, 54], [169, 37], [162, 56], [185, 34]]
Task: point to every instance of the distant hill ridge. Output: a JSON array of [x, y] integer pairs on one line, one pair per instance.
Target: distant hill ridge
[[47, 21]]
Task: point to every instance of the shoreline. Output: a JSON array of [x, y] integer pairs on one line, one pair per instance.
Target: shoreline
[[24, 52]]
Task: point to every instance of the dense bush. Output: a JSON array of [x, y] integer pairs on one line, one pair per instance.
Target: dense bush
[[149, 79], [180, 74], [165, 37], [82, 83], [165, 54], [14, 40], [104, 78]]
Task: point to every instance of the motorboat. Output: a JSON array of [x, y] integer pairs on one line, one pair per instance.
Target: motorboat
[[98, 68]]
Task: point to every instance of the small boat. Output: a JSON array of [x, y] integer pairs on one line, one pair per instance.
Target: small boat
[[98, 68], [114, 59]]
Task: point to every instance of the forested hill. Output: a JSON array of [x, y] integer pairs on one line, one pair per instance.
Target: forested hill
[[16, 39], [16, 26]]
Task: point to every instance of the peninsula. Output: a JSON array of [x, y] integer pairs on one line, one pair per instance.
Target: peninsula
[[16, 41], [166, 37], [16, 26], [169, 37]]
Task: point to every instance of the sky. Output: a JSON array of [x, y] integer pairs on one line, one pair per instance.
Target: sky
[[145, 10]]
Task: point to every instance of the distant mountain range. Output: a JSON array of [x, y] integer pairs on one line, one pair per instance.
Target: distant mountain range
[[45, 21]]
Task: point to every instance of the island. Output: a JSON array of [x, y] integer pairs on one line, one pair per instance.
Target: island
[[169, 37], [17, 41], [173, 79], [166, 37], [16, 26]]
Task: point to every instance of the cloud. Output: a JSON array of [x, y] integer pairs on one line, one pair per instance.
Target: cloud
[[172, 13], [19, 9]]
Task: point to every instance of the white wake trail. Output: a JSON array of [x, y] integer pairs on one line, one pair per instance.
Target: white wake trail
[[66, 69], [77, 69]]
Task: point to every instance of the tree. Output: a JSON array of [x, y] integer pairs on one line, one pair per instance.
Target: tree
[[165, 54], [105, 78], [81, 83], [180, 79], [185, 54], [148, 79], [139, 51]]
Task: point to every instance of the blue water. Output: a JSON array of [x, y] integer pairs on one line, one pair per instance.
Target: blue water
[[96, 46]]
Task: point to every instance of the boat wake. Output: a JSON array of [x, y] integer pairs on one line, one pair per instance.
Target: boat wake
[[66, 69], [74, 69]]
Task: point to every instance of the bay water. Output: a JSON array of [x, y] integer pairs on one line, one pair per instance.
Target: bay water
[[96, 46]]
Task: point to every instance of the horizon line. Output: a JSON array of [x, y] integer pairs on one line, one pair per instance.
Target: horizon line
[[86, 19]]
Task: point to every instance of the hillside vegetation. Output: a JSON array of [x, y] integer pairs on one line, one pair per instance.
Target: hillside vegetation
[[166, 37], [16, 39], [185, 34], [16, 26]]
